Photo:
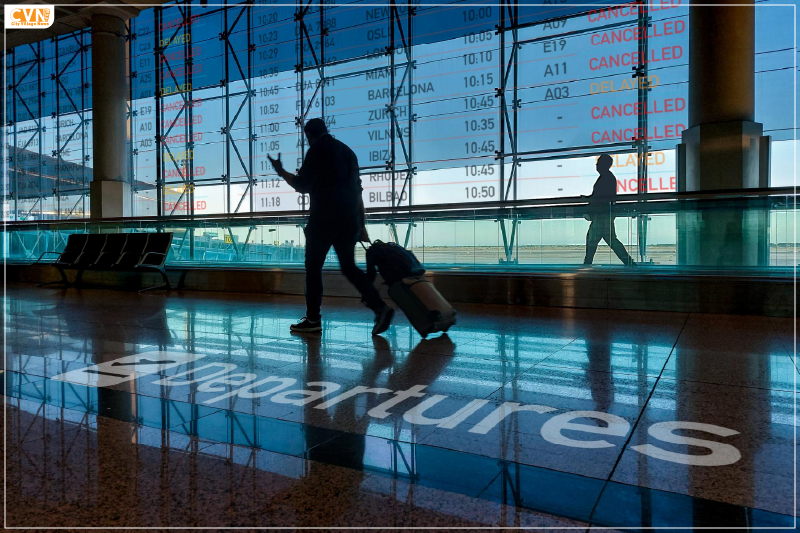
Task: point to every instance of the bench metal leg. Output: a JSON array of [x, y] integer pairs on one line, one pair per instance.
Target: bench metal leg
[[57, 282], [166, 285], [63, 281]]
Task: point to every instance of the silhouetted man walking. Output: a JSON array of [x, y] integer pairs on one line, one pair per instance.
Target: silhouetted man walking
[[329, 175], [603, 196]]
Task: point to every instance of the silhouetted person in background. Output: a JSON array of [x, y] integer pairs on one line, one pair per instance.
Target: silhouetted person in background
[[603, 196], [330, 177]]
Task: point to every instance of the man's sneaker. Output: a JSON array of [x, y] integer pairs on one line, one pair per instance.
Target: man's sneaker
[[306, 325], [382, 320]]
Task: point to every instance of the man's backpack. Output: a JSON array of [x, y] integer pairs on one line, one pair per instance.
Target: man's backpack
[[392, 261]]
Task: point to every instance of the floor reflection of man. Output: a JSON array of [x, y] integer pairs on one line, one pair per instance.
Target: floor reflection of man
[[600, 377], [350, 415], [345, 417]]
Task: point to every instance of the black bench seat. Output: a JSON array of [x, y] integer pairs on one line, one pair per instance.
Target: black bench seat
[[131, 252]]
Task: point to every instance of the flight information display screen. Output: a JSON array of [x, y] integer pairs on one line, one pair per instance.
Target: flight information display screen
[[441, 104]]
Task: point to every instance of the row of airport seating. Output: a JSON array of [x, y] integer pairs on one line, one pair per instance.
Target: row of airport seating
[[132, 252]]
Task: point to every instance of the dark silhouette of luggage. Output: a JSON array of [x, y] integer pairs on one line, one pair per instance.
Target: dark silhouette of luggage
[[425, 307]]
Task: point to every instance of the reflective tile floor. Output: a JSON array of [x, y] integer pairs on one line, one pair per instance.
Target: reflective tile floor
[[203, 410]]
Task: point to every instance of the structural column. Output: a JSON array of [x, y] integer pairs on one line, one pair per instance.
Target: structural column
[[723, 148], [110, 188]]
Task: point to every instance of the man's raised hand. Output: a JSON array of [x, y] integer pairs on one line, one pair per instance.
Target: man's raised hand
[[276, 163]]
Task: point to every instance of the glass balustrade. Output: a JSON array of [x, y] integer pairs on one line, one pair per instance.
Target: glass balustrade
[[670, 231]]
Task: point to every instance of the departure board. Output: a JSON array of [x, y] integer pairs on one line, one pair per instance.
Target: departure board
[[441, 103]]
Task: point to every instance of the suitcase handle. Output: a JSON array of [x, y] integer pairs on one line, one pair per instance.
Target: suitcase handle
[[362, 244]]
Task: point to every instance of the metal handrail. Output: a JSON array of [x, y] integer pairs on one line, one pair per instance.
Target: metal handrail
[[500, 208]]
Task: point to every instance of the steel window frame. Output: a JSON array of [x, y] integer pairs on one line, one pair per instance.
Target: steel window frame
[[400, 164]]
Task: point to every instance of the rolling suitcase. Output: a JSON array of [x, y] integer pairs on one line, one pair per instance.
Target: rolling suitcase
[[425, 307]]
